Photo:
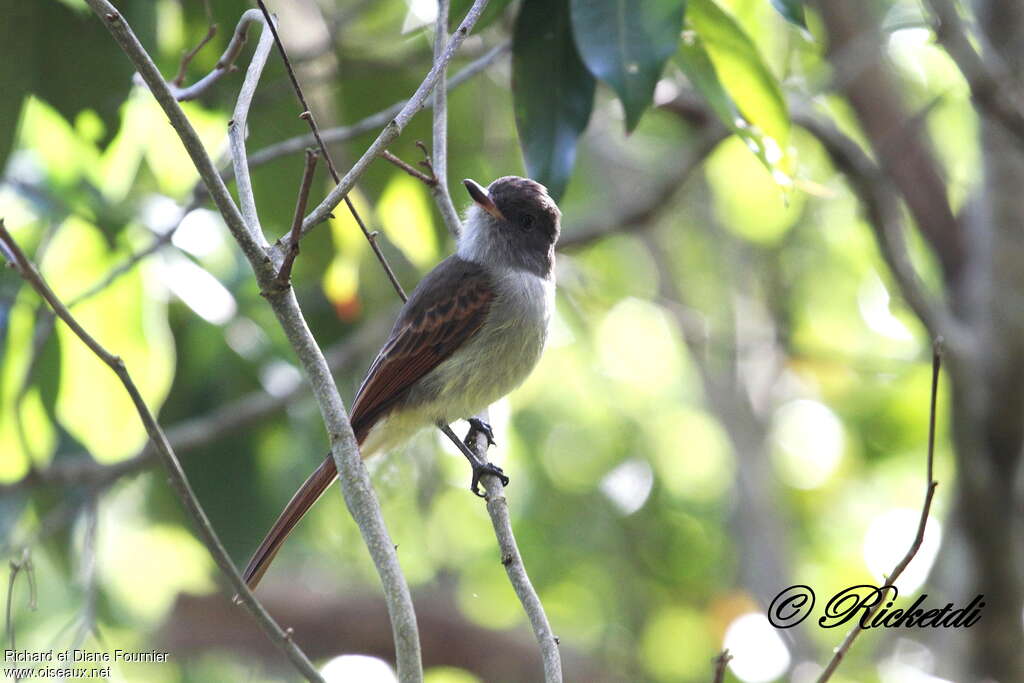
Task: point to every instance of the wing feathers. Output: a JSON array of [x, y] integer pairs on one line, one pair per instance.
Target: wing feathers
[[448, 307]]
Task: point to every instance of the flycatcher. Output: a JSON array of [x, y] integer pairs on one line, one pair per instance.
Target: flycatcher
[[471, 332]]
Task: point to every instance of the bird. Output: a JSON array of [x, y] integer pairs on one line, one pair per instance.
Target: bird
[[471, 331]]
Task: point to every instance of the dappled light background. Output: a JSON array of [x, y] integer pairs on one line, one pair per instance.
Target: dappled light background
[[733, 399]]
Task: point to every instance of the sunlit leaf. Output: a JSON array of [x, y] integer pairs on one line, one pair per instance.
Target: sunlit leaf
[[405, 212], [625, 43], [741, 77], [792, 11], [92, 404], [553, 92]]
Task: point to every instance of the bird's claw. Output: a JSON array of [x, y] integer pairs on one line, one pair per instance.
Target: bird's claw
[[478, 426], [482, 468]]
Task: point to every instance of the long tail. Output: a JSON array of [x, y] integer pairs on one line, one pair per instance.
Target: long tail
[[300, 503]]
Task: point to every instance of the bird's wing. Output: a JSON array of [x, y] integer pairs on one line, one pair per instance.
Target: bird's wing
[[448, 307]]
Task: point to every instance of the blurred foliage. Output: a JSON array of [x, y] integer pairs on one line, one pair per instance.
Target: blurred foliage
[[625, 472]]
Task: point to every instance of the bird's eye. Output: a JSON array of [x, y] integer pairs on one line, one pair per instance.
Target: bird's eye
[[527, 223]]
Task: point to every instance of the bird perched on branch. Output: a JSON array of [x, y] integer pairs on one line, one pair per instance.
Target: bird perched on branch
[[471, 331]]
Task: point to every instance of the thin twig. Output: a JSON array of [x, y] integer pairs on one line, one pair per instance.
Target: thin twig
[[189, 55], [439, 164], [993, 87], [885, 218], [395, 127], [497, 509], [285, 273], [906, 154], [76, 469], [373, 121], [353, 478], [428, 180], [24, 563], [721, 662], [179, 480], [224, 66], [840, 652], [307, 114]]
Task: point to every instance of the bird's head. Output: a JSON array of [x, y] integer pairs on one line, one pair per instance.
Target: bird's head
[[513, 222]]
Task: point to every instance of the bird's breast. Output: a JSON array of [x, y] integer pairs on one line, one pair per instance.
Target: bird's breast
[[496, 359]]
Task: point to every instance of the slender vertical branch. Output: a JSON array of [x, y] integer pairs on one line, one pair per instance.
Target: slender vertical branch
[[353, 478], [23, 564], [497, 508], [285, 273], [352, 475], [439, 158], [179, 481], [841, 651], [993, 88], [721, 662]]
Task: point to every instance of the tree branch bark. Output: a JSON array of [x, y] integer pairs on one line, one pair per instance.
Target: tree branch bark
[[354, 480], [856, 52], [179, 481]]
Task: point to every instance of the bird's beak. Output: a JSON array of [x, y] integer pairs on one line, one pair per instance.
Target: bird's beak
[[483, 200]]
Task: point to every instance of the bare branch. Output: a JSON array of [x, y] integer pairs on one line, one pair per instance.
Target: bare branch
[[189, 55], [721, 662], [395, 127], [880, 201], [224, 66], [439, 159], [353, 478], [993, 88], [352, 475], [890, 581], [855, 51], [18, 566], [373, 121], [428, 180], [191, 434], [497, 508], [885, 219], [285, 273], [307, 115], [179, 480]]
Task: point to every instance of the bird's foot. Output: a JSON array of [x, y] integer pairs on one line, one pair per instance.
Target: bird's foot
[[478, 426], [482, 468]]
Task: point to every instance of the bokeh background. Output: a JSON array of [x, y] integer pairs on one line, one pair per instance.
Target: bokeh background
[[734, 398]]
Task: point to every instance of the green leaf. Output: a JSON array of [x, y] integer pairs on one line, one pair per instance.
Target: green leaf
[[723, 63], [78, 65], [552, 90], [457, 12], [15, 70], [625, 43], [792, 11]]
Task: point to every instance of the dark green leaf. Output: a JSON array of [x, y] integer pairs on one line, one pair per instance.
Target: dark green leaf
[[625, 43], [458, 9], [553, 91], [47, 373], [15, 69], [78, 65], [792, 11]]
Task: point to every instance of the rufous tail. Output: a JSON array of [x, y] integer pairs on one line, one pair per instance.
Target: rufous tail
[[300, 503]]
